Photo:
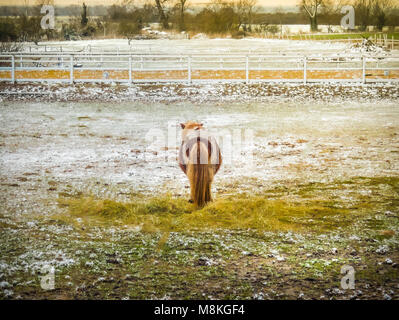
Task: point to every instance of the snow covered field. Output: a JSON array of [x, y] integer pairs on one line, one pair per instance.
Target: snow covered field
[[336, 146], [201, 46], [122, 143], [51, 150]]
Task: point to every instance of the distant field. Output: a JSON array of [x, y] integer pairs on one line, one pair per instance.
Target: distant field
[[197, 46]]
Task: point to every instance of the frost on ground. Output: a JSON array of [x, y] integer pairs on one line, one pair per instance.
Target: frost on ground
[[198, 46], [200, 93], [335, 144]]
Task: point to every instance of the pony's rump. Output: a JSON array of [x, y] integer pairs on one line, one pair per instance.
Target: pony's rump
[[213, 150]]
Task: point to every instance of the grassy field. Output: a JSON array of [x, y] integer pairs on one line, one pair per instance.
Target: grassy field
[[286, 243], [345, 36], [264, 212], [81, 191]]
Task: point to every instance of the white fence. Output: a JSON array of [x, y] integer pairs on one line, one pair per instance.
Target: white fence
[[102, 67]]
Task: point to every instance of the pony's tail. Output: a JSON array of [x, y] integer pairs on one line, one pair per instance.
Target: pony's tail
[[201, 177], [201, 185]]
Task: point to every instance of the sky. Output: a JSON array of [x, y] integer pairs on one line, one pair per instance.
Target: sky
[[268, 3]]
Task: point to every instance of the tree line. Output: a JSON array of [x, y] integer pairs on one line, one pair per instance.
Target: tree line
[[220, 17], [377, 13]]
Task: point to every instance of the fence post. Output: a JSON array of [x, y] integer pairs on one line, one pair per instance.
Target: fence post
[[246, 70], [12, 69], [392, 42], [189, 69], [71, 75], [130, 70], [363, 69], [305, 70]]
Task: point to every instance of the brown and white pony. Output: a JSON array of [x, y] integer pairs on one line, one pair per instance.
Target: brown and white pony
[[200, 159]]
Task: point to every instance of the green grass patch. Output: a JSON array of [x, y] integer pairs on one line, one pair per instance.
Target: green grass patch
[[313, 207], [236, 213], [341, 36]]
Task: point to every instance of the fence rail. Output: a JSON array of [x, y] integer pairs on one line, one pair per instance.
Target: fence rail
[[196, 68]]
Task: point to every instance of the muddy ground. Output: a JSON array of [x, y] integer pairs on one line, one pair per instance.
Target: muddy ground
[[329, 167]]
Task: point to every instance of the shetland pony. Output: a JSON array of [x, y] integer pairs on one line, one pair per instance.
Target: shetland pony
[[200, 159]]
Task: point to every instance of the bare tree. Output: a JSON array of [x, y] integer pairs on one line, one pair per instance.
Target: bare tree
[[363, 10], [84, 19], [312, 8], [163, 16], [372, 12], [182, 8], [380, 12], [245, 10], [330, 9]]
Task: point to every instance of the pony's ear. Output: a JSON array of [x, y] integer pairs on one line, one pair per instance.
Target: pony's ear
[[182, 125]]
